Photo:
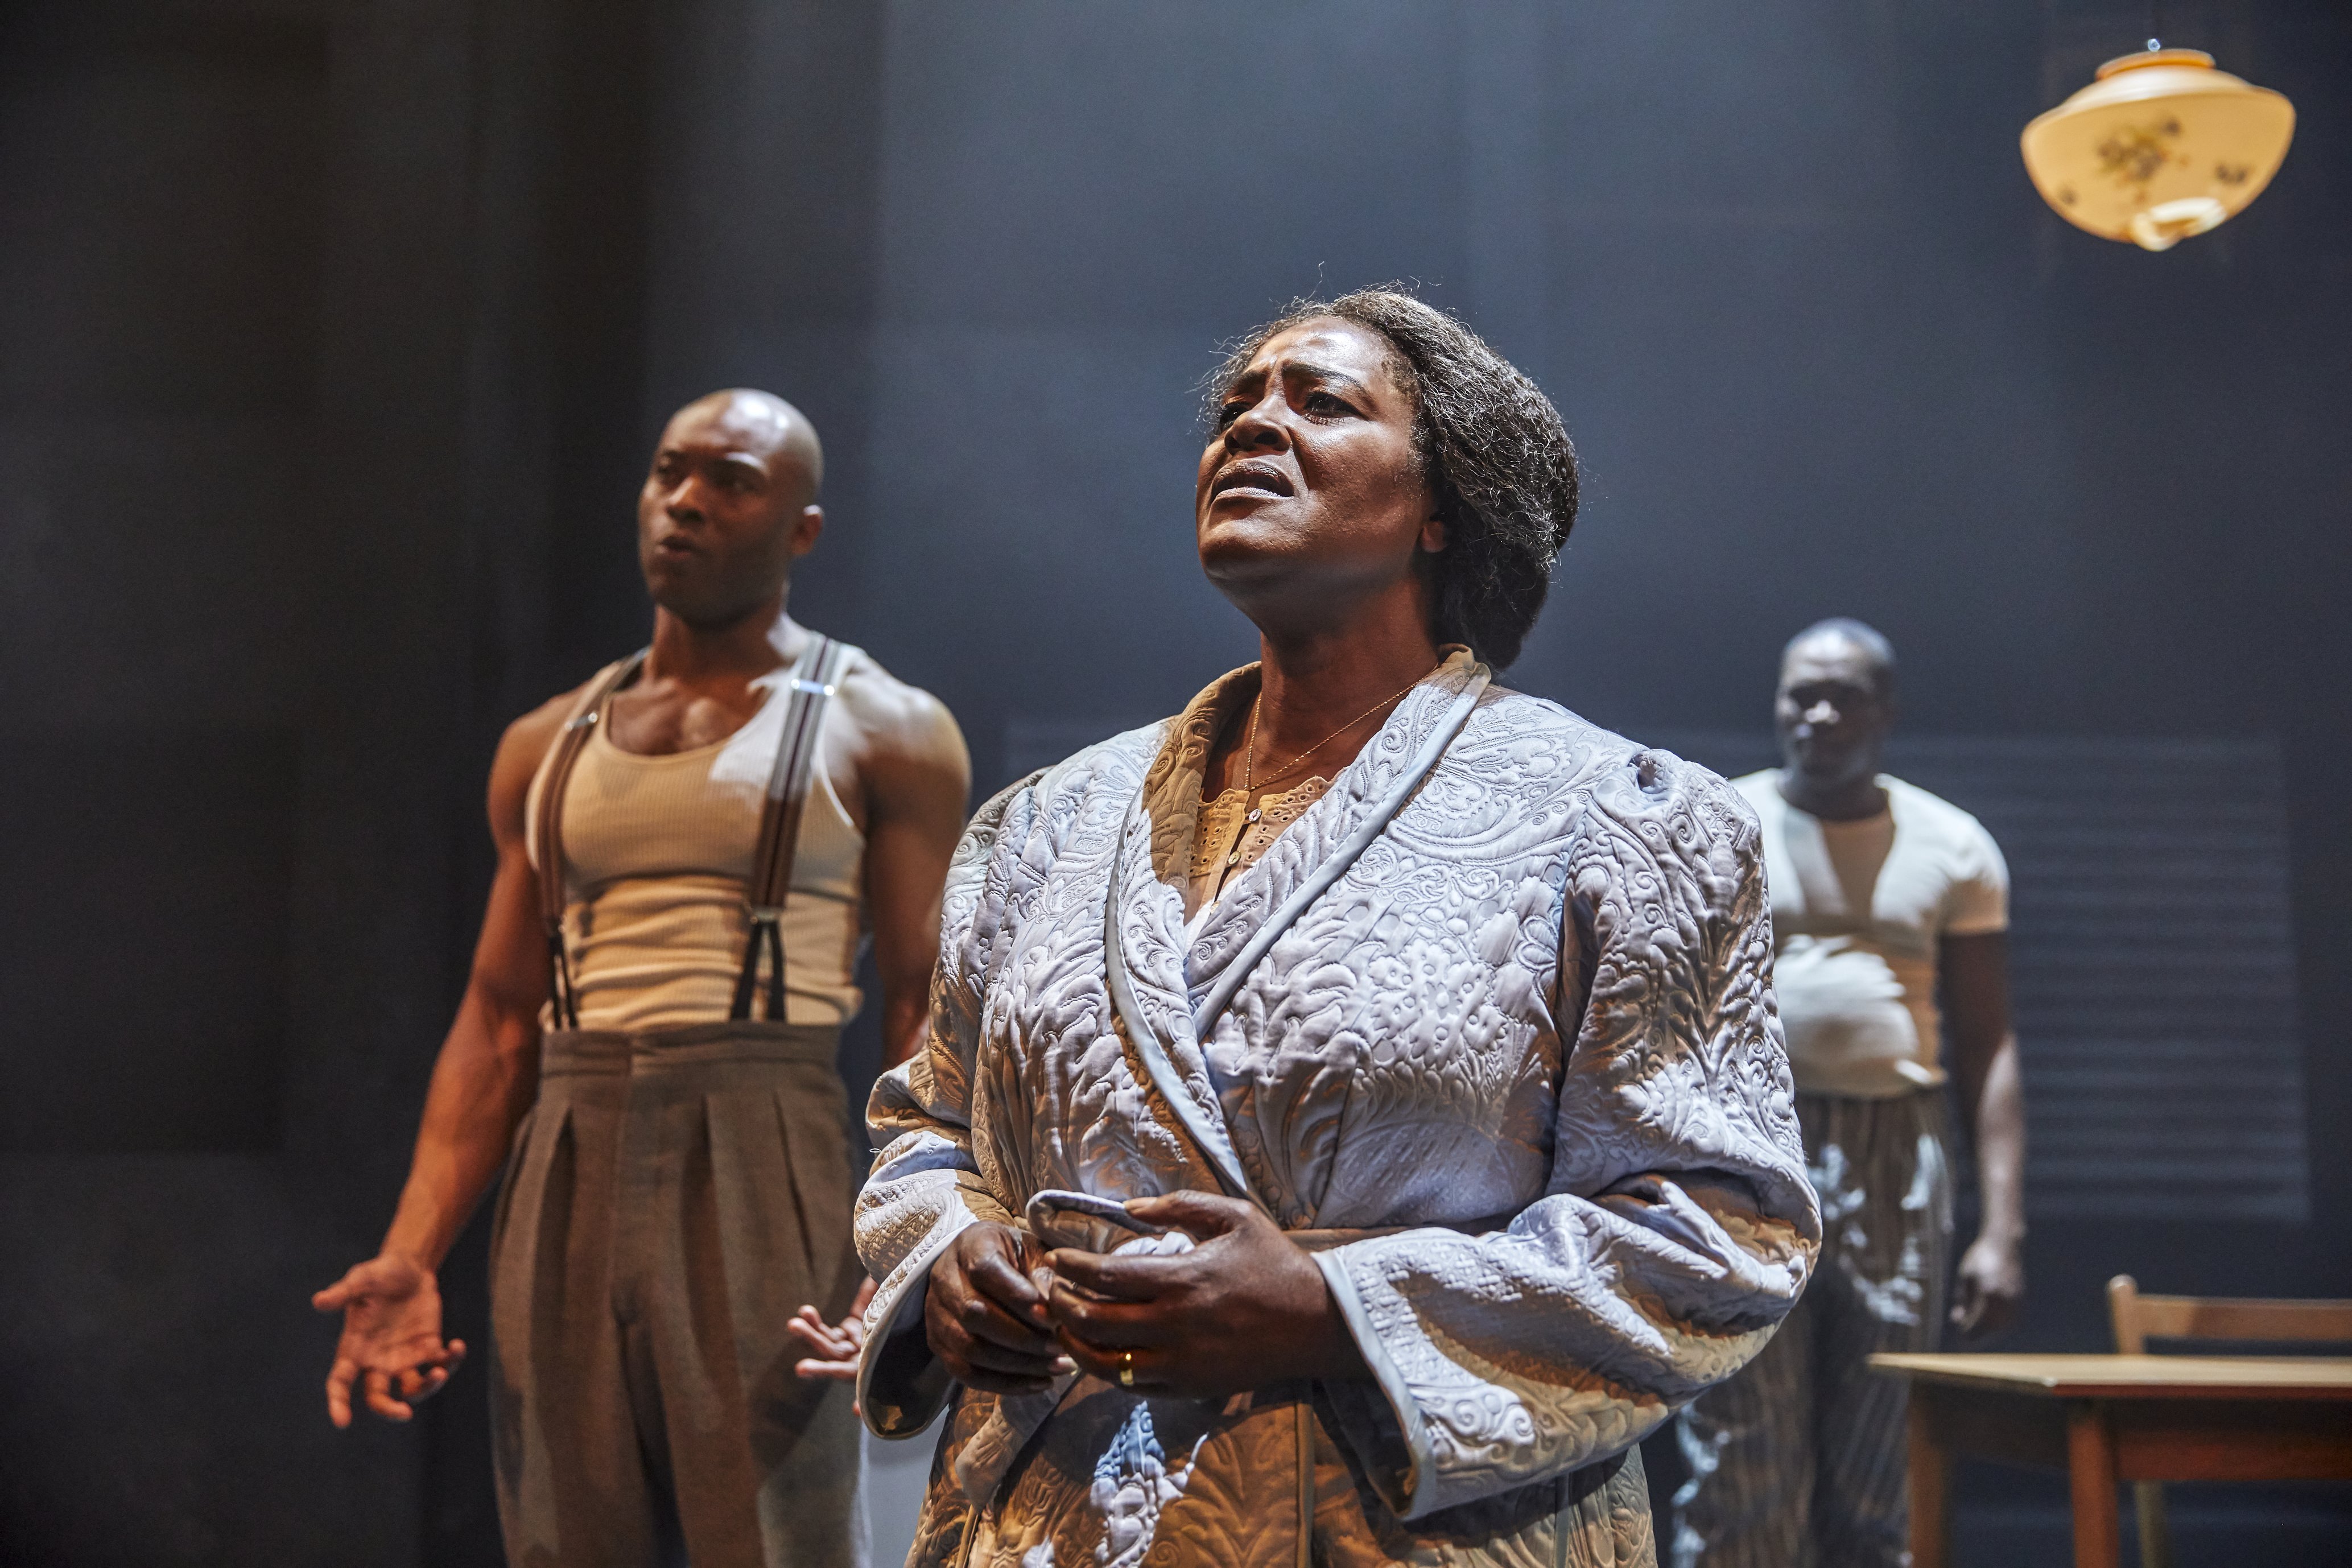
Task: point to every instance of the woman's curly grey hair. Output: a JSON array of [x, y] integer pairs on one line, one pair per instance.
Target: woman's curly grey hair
[[1492, 448]]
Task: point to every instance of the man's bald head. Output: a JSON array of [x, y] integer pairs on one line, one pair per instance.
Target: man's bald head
[[764, 423]]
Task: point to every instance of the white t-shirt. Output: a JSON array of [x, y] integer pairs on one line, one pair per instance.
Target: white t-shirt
[[1857, 911]]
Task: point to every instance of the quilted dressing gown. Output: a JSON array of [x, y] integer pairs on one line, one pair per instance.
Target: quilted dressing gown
[[1490, 1027]]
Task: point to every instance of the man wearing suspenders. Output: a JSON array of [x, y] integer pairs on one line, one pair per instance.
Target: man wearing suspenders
[[691, 848]]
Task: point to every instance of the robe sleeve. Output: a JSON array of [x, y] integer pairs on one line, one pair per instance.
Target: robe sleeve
[[1677, 1226], [926, 1186]]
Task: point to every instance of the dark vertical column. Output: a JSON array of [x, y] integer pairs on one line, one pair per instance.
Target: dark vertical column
[[595, 266], [238, 310], [374, 968]]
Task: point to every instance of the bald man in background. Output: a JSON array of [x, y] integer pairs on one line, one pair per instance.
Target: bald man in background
[[1890, 924], [692, 848]]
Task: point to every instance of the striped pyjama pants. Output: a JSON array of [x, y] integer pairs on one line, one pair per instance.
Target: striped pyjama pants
[[1798, 1460]]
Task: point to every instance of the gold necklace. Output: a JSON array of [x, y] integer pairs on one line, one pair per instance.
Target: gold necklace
[[1249, 751]]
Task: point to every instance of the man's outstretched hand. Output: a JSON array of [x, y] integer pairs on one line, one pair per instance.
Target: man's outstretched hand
[[834, 1347], [391, 1344]]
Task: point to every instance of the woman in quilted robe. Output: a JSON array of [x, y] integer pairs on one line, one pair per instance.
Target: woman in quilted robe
[[1354, 1113]]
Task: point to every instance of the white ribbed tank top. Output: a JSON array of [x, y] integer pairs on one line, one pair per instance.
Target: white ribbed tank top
[[657, 851]]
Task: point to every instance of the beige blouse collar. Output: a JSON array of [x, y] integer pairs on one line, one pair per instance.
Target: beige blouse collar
[[1171, 788]]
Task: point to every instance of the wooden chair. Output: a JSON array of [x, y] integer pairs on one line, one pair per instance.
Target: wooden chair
[[2246, 1319]]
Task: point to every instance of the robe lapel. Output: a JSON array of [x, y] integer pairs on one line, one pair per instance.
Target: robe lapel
[[1143, 947], [1160, 984], [1392, 761]]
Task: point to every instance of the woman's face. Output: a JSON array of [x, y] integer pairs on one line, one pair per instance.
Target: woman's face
[[1309, 498]]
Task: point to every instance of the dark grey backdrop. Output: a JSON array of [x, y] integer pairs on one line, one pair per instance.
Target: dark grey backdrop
[[333, 337]]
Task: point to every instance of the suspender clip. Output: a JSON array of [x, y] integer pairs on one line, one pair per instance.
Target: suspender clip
[[560, 990]]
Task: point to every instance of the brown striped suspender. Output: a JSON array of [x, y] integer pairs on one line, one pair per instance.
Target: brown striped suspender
[[815, 681]]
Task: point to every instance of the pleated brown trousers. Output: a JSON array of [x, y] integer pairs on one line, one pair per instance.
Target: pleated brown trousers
[[671, 1201]]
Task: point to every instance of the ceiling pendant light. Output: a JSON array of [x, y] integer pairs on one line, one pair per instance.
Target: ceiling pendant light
[[2159, 147]]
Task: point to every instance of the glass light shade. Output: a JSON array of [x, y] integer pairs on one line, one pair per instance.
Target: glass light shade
[[2161, 146]]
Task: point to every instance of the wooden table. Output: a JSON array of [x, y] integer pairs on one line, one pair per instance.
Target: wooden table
[[2109, 1418]]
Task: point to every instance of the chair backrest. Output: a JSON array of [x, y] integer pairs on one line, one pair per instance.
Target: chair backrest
[[2246, 1319]]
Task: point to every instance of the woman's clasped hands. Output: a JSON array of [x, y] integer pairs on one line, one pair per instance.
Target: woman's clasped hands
[[1245, 1308]]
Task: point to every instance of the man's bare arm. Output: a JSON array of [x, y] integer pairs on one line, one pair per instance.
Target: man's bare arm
[[487, 1073], [917, 779], [1974, 979], [484, 1079]]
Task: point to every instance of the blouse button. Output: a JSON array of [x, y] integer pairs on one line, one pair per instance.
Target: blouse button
[[1235, 858], [1252, 816]]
